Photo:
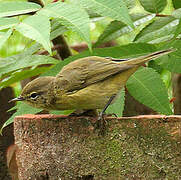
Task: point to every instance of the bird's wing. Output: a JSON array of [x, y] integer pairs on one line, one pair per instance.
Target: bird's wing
[[89, 70], [86, 71]]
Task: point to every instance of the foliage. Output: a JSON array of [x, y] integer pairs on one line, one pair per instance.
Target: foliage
[[149, 26], [143, 80]]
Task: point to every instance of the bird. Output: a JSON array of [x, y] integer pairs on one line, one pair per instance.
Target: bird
[[88, 83]]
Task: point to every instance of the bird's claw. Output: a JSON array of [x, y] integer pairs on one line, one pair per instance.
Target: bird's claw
[[101, 124]]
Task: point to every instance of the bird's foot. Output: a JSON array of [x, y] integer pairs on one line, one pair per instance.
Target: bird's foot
[[101, 123]]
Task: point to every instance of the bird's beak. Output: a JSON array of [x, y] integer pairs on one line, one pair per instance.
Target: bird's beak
[[17, 99]]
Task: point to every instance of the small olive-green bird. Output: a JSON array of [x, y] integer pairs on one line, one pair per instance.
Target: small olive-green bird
[[85, 84]]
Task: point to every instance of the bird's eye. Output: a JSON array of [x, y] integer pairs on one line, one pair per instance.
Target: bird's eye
[[34, 95]]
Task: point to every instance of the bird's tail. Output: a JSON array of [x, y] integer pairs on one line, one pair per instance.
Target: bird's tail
[[142, 59]]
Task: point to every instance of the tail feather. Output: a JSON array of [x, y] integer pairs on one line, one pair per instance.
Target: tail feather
[[143, 59]]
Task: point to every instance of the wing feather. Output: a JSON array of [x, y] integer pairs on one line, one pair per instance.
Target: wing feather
[[86, 71]]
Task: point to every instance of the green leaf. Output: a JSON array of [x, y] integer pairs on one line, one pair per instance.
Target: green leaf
[[162, 29], [8, 22], [172, 62], [18, 76], [178, 30], [57, 29], [166, 77], [118, 106], [14, 63], [177, 13], [130, 3], [17, 8], [153, 6], [36, 27], [4, 37], [176, 4], [116, 28], [154, 65], [146, 86], [72, 17], [116, 9], [22, 108], [31, 50]]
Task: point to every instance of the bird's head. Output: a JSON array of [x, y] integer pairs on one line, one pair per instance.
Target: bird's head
[[37, 93]]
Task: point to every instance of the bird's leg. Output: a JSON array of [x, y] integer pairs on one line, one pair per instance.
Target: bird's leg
[[106, 106], [101, 121]]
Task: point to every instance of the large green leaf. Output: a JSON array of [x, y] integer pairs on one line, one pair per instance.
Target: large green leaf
[[116, 28], [22, 109], [162, 29], [71, 16], [118, 106], [116, 9], [20, 75], [153, 6], [14, 63], [8, 22], [36, 27], [4, 36], [56, 30], [17, 8], [146, 86]]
